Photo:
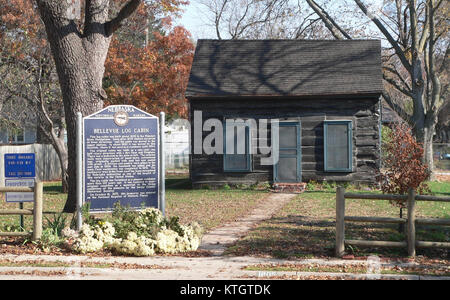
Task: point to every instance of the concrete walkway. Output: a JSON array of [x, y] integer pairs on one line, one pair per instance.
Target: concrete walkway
[[217, 240], [180, 268]]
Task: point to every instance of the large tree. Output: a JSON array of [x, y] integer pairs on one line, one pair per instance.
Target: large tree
[[416, 61], [80, 48]]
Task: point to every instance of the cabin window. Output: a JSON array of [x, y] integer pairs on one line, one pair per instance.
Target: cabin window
[[237, 145], [338, 146], [16, 136]]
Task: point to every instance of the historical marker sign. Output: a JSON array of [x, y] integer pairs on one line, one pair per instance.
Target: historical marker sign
[[120, 158]]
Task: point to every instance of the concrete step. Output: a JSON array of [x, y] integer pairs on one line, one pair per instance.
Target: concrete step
[[294, 188]]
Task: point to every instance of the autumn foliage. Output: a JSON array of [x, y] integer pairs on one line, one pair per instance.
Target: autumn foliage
[[153, 77], [22, 36], [404, 168]]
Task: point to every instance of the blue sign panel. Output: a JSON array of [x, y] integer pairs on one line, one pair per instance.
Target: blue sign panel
[[20, 165], [121, 158]]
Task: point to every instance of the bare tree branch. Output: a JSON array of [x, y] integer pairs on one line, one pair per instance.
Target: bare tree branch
[[436, 89], [334, 28], [394, 71], [445, 66], [218, 18], [397, 108], [392, 41], [397, 86], [425, 32], [125, 12]]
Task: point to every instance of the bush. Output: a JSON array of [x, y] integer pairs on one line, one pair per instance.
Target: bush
[[404, 168], [328, 186], [137, 233], [49, 240], [57, 223]]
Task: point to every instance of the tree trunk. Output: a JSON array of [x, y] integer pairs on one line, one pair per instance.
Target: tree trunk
[[60, 148], [57, 142], [429, 130], [80, 60], [80, 63]]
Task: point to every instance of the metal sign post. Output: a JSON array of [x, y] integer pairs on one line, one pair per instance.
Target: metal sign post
[[162, 190], [79, 170]]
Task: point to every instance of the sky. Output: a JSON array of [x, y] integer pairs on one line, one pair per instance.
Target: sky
[[195, 21]]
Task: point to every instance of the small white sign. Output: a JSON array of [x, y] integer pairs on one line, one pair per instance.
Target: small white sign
[[19, 197]]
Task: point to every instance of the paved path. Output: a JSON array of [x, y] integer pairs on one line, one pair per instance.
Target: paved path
[[179, 268], [217, 240]]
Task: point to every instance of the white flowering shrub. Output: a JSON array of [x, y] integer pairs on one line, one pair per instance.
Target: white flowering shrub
[[134, 245], [69, 233], [94, 238], [137, 233]]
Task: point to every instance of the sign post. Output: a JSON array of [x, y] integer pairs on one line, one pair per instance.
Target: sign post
[[79, 170], [162, 197], [121, 159], [20, 171]]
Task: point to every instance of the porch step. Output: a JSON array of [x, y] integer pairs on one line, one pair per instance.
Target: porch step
[[295, 188]]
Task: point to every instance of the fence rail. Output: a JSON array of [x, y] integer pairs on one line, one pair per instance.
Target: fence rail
[[411, 243], [36, 212]]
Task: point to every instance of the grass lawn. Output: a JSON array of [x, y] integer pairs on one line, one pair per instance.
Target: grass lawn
[[305, 227], [210, 208]]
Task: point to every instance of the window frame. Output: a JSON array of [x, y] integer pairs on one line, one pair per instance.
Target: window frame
[[13, 136], [248, 147], [349, 123]]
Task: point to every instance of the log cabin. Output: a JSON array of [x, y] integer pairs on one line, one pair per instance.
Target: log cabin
[[324, 95]]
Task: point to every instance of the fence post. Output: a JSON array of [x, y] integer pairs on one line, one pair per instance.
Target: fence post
[[340, 223], [37, 211], [411, 223]]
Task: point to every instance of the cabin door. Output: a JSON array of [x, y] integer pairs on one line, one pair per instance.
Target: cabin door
[[288, 169]]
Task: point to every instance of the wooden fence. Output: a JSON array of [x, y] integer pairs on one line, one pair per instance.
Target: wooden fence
[[36, 212], [411, 243]]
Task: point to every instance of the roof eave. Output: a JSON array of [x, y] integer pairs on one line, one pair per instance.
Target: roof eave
[[371, 94]]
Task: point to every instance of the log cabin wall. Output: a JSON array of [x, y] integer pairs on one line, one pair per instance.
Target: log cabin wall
[[363, 111]]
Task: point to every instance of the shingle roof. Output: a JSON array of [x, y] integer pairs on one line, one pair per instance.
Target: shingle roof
[[285, 67]]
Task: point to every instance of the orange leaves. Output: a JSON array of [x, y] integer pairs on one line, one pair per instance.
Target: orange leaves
[[19, 14], [153, 78], [404, 166], [21, 32]]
